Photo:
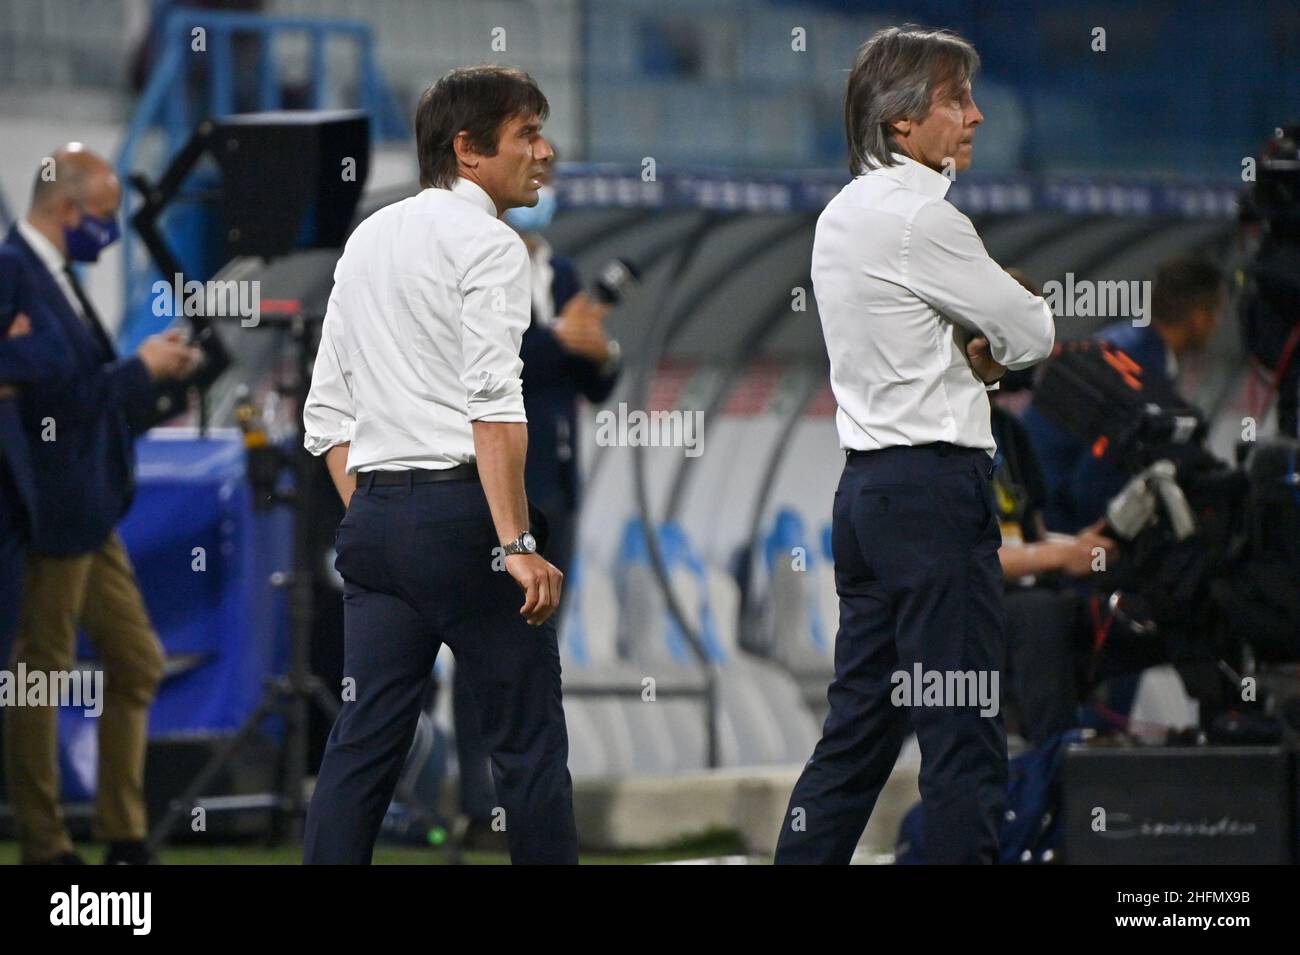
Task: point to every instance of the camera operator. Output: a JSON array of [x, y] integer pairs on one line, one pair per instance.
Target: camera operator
[[1188, 297], [1269, 215]]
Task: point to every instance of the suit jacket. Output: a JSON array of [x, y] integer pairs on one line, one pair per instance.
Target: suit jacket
[[82, 452], [23, 360], [552, 380]]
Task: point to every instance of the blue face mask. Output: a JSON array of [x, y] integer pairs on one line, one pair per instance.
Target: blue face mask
[[534, 218], [91, 236]]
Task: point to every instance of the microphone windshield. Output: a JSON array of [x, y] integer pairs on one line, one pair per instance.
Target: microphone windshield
[[615, 279]]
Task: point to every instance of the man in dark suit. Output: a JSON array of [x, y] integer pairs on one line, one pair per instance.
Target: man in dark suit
[[77, 571], [24, 357]]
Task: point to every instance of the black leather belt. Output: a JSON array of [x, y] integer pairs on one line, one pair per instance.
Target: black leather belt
[[461, 472], [942, 448]]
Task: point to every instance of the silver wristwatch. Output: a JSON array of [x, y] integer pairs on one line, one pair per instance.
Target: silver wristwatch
[[614, 361], [525, 543]]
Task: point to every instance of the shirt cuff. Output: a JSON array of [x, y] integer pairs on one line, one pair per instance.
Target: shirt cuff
[[318, 444], [995, 386], [497, 399]]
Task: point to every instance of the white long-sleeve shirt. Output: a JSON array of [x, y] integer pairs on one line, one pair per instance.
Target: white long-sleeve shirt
[[902, 281], [421, 336]]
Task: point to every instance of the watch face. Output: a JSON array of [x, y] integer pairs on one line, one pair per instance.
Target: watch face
[[529, 542]]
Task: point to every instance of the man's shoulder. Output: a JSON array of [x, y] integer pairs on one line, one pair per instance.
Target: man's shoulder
[[445, 212], [486, 238], [382, 216], [439, 214], [875, 213], [12, 258], [16, 267], [871, 201]]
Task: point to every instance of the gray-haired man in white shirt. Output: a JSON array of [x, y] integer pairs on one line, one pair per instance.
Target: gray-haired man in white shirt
[[417, 404], [918, 322]]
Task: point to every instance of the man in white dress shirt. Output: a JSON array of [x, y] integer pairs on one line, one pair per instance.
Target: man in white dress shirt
[[918, 322], [416, 403]]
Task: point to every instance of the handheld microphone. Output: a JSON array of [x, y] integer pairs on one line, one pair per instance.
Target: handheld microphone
[[615, 279]]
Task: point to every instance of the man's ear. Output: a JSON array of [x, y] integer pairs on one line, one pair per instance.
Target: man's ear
[[465, 154], [66, 210], [901, 127]]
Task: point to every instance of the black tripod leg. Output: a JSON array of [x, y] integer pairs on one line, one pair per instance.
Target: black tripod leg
[[218, 762], [285, 822], [326, 700]]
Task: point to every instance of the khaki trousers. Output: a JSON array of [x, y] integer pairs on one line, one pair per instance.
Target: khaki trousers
[[99, 592]]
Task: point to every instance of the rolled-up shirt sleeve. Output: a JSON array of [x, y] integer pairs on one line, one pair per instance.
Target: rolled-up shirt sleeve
[[496, 310], [946, 264], [329, 415]]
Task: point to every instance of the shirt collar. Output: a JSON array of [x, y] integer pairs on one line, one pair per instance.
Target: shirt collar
[[915, 176], [473, 192], [45, 250]]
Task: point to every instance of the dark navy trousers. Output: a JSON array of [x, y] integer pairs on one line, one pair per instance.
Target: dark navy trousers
[[417, 564], [476, 794], [915, 540]]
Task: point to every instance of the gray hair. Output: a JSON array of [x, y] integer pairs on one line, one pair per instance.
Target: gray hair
[[894, 75]]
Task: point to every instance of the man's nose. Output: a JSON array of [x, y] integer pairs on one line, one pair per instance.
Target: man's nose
[[974, 117], [545, 153]]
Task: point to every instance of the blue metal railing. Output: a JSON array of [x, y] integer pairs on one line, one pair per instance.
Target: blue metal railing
[[166, 103]]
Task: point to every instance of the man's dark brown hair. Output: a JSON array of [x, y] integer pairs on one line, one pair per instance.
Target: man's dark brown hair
[[1183, 284], [478, 100]]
